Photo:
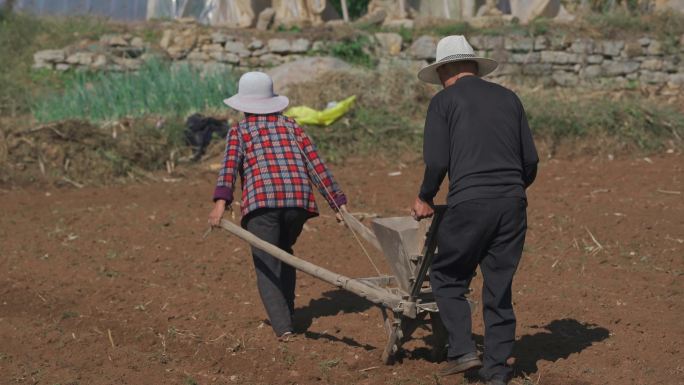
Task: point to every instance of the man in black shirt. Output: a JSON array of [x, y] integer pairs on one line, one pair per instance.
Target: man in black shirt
[[476, 131]]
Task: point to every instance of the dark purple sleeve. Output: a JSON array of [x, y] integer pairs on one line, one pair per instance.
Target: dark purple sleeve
[[223, 192]]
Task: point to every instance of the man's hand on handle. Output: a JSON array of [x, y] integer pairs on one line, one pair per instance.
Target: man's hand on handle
[[217, 213], [421, 209]]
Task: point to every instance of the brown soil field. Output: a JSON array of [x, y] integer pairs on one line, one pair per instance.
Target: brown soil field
[[115, 285]]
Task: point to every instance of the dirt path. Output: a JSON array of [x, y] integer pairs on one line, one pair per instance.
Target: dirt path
[[114, 285]]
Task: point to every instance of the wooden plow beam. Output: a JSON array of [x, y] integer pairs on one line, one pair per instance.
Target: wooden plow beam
[[365, 290]]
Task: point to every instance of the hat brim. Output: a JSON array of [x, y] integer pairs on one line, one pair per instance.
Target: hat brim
[[429, 74], [258, 106]]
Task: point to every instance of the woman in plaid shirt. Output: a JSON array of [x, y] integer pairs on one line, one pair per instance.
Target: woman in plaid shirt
[[276, 162]]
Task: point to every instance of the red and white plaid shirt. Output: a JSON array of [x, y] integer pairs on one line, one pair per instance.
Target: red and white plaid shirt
[[268, 152]]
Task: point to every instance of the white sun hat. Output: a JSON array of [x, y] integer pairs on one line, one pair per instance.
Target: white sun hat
[[452, 49], [255, 95]]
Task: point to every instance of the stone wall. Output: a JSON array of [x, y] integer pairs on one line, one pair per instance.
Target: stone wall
[[569, 62], [550, 60]]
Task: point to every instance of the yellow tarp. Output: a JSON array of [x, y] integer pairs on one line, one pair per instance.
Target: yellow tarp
[[307, 115]]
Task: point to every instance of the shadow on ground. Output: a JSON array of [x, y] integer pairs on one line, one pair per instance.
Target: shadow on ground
[[560, 339], [331, 303], [556, 340]]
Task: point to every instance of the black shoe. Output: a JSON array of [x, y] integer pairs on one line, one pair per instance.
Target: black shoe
[[497, 381], [287, 337], [461, 364]]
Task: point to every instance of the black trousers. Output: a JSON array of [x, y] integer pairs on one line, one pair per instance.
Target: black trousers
[[276, 280], [489, 233]]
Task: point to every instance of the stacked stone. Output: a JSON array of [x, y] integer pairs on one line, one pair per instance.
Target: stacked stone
[[555, 60], [228, 49], [114, 53], [568, 62]]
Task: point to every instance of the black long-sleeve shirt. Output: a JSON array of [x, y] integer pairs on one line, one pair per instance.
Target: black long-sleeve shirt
[[477, 131]]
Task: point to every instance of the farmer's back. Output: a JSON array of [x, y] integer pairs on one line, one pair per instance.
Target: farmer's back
[[489, 141]]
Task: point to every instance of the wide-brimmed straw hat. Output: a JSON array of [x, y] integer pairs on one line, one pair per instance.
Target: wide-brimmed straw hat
[[255, 95], [452, 49]]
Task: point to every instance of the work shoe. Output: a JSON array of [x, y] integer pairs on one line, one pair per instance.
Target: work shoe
[[287, 337], [497, 381], [461, 364]]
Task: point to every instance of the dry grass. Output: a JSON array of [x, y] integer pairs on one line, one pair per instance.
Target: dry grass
[[387, 117], [387, 120], [391, 108], [395, 89], [78, 152]]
